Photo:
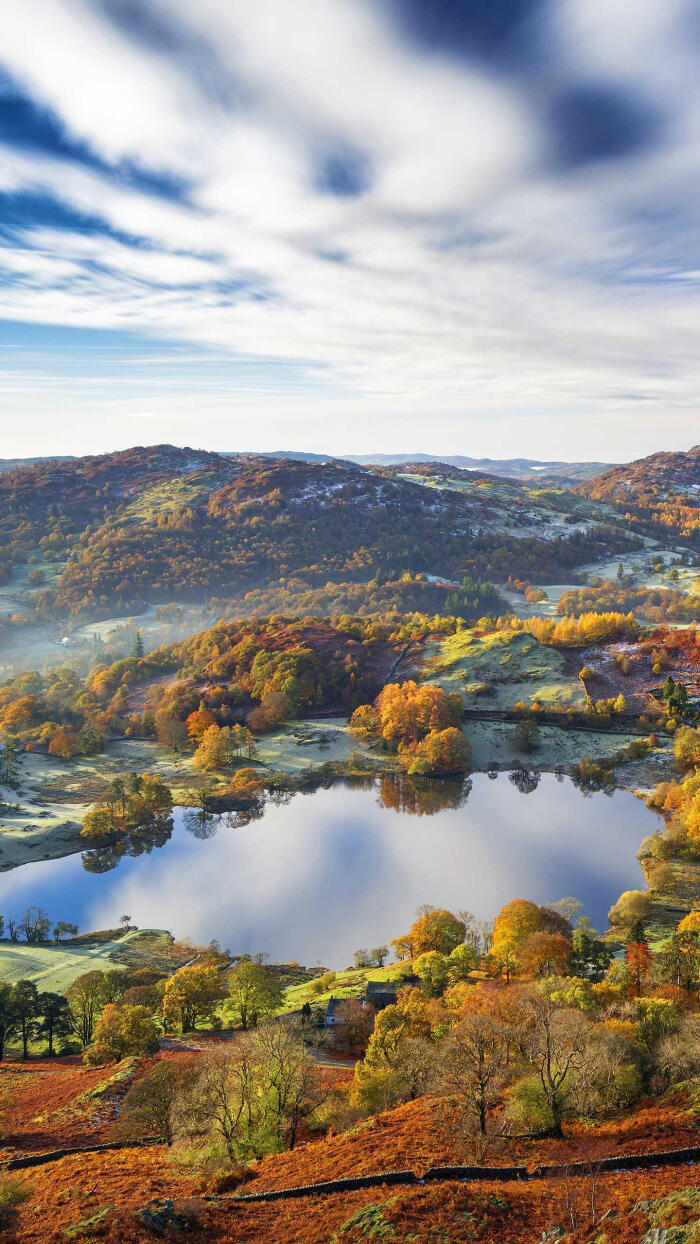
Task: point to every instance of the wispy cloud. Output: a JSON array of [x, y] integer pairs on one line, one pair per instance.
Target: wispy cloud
[[415, 212]]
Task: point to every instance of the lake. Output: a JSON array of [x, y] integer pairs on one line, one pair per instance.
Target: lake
[[325, 873]]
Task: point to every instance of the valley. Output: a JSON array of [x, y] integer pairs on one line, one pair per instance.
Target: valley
[[276, 710]]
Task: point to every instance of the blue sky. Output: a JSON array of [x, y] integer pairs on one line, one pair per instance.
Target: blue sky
[[469, 226]]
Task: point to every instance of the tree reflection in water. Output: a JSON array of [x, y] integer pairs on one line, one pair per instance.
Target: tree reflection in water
[[525, 780], [422, 796], [417, 796], [200, 823], [134, 842]]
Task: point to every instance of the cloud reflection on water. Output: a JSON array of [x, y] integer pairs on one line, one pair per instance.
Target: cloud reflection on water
[[334, 870]]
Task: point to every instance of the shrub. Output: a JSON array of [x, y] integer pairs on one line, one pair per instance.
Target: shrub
[[631, 906], [527, 1107], [13, 1193]]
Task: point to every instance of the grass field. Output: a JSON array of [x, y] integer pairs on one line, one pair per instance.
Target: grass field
[[493, 747], [349, 984], [313, 741], [54, 968], [512, 664]]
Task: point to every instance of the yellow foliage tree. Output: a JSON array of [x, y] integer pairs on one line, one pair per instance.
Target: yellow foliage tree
[[514, 924], [215, 751], [191, 994]]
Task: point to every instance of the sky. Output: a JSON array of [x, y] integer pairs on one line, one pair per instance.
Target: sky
[[350, 226]]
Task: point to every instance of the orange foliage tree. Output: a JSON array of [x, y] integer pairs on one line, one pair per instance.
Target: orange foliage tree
[[440, 752], [639, 961], [199, 722], [407, 712], [436, 929], [544, 954]]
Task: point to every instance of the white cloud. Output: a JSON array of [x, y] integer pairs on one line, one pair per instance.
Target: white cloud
[[465, 278]]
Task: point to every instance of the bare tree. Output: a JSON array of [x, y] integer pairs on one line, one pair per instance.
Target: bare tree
[[296, 1090], [474, 1062], [355, 1023], [556, 1041], [224, 1103], [677, 1056], [35, 925], [582, 1194]]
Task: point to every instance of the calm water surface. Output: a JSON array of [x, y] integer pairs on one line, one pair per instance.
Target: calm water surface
[[330, 871]]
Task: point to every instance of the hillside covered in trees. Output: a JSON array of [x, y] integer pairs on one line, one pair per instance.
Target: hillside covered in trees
[[660, 494], [156, 524]]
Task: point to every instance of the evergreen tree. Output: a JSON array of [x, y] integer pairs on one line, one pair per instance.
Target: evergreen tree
[[8, 1016], [9, 763], [54, 1018], [25, 1001], [636, 934]]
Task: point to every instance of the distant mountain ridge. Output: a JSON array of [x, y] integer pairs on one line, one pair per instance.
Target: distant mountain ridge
[[16, 464], [508, 468]]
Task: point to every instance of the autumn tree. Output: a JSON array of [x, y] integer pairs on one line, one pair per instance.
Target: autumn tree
[[354, 1023], [170, 729], [191, 994], [246, 783], [690, 923], [407, 712], [474, 1062], [365, 721], [114, 983], [402, 947], [639, 961], [436, 929], [400, 1061], [632, 906], [686, 748], [149, 1107], [255, 992], [513, 925], [440, 752], [432, 969], [65, 744], [544, 954], [215, 750], [199, 722], [121, 1031], [460, 962]]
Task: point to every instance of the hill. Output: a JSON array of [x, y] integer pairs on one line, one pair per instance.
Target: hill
[[507, 468], [14, 464], [160, 523], [661, 493]]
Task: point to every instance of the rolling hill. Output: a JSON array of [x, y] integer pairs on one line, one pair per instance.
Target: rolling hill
[[161, 523], [661, 492], [507, 468]]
